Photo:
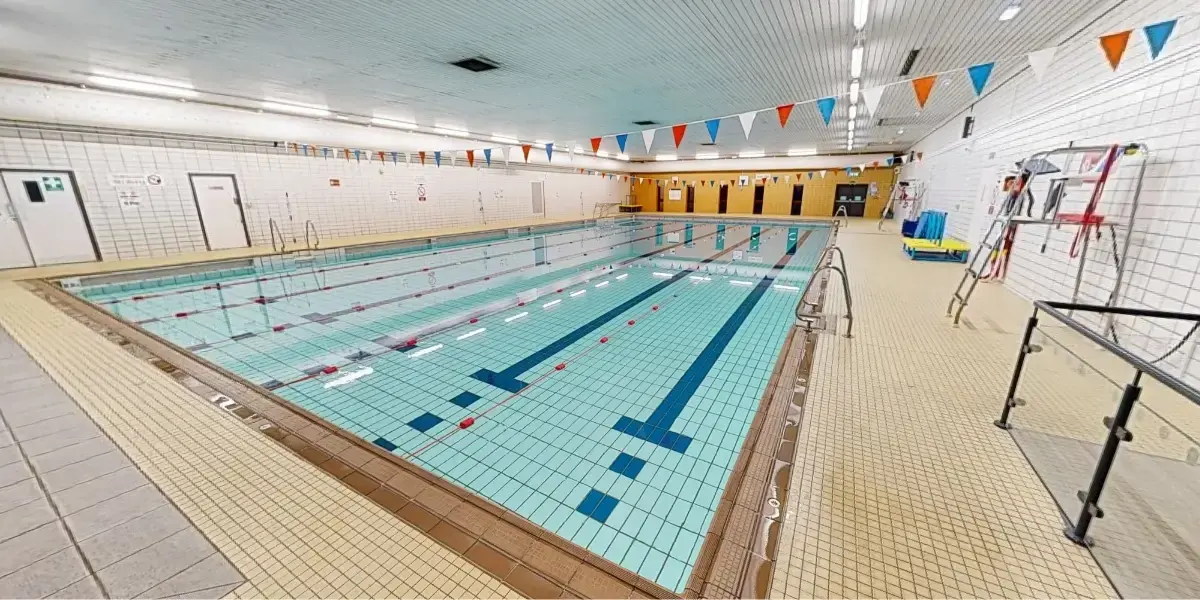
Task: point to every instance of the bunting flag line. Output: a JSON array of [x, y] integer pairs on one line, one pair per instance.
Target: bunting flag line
[[487, 156], [784, 111], [825, 106], [422, 154], [596, 144], [381, 156], [346, 153], [678, 131], [549, 151], [822, 173], [712, 125], [1157, 36], [1040, 61], [810, 174], [470, 158], [437, 158], [922, 86], [979, 76], [648, 138], [871, 98], [506, 151], [1114, 45], [325, 153], [357, 154], [747, 120], [621, 139], [525, 150]]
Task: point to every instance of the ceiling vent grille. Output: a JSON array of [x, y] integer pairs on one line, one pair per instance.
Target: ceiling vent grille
[[645, 122], [477, 64], [908, 62]]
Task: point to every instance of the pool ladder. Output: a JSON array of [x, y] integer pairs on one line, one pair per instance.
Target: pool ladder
[[806, 309], [273, 229]]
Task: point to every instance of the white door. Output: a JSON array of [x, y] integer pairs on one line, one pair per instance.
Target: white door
[[539, 199], [49, 214], [14, 252], [220, 211]]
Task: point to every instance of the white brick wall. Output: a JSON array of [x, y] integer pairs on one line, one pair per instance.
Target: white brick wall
[[291, 188], [1082, 101]]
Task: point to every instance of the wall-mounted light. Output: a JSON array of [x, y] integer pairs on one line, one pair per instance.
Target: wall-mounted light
[[860, 14], [504, 139], [665, 157], [751, 154], [450, 131], [1011, 11], [802, 152], [856, 61], [147, 85], [310, 110], [708, 155], [393, 123]]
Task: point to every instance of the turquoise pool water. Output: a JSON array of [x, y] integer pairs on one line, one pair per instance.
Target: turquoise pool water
[[607, 375]]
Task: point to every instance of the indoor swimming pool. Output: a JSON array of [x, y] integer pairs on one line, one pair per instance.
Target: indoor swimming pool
[[599, 380]]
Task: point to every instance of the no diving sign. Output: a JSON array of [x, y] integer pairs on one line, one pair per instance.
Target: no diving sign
[[420, 192]]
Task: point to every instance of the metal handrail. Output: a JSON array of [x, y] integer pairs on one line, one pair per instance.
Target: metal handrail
[[804, 308], [841, 210], [310, 226], [273, 229]]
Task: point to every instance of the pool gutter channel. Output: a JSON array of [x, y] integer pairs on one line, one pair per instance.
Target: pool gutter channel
[[512, 549], [737, 558]]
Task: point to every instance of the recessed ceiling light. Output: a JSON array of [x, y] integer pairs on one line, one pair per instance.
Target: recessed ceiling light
[[393, 123], [853, 113], [901, 132], [860, 14], [854, 91], [504, 139], [708, 155], [161, 87], [1011, 11], [477, 64], [850, 125], [665, 157], [450, 131], [856, 61], [751, 154], [802, 152], [310, 110]]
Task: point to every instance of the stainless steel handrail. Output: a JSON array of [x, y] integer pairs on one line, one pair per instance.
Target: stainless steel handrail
[[310, 226], [805, 308], [841, 210], [274, 230]]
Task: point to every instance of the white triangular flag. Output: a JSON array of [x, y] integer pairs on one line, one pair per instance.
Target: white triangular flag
[[505, 151], [452, 154], [407, 158], [570, 151], [648, 138], [747, 120], [822, 174], [871, 97], [786, 178], [1040, 61]]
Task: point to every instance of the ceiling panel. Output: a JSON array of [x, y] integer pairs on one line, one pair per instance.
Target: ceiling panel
[[570, 69]]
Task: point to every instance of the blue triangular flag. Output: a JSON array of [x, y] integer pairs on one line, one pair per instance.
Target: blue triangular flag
[[825, 105], [1157, 35], [775, 179], [549, 151], [621, 138], [487, 155], [979, 76], [325, 152], [437, 158], [810, 174], [356, 155], [712, 125]]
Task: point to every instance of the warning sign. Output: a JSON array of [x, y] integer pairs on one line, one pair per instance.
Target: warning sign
[[154, 180], [335, 183], [129, 198], [420, 192], [126, 180]]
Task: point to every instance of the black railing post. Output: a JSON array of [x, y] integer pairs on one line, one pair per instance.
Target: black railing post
[[1116, 434], [1011, 400]]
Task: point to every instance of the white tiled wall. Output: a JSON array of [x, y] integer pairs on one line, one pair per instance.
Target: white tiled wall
[[290, 188], [1082, 102]]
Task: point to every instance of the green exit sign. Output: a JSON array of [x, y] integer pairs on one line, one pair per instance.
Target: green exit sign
[[52, 184]]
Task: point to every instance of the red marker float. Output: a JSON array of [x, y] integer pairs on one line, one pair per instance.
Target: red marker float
[[467, 422], [603, 340], [330, 369], [560, 366], [279, 328], [655, 307], [474, 320], [180, 315], [631, 321]]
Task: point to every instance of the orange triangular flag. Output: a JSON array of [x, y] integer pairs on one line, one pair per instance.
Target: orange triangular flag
[[470, 158], [595, 145], [422, 153], [678, 131], [380, 155], [921, 87], [525, 150], [1114, 45], [784, 112]]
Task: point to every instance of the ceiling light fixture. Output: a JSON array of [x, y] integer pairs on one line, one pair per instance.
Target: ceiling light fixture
[[341, 117], [856, 61], [161, 87], [860, 14], [624, 157], [665, 157], [543, 142], [449, 131], [1011, 11], [708, 155], [850, 125], [310, 110], [602, 154], [751, 154], [802, 152], [504, 139], [901, 132], [853, 112], [393, 123], [854, 90]]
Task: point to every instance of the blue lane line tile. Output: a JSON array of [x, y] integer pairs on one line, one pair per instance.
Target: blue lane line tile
[[656, 429], [597, 505], [627, 465], [425, 422], [385, 444], [465, 399]]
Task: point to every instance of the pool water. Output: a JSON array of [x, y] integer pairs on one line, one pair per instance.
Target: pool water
[[606, 376]]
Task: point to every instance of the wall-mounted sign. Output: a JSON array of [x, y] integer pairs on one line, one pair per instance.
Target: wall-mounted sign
[[421, 192], [119, 180], [154, 180], [743, 180], [129, 198], [737, 255], [674, 194], [393, 196], [335, 183], [52, 184]]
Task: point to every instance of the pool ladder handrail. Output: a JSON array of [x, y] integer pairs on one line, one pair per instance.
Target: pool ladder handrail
[[841, 210], [273, 229], [805, 309], [315, 241]]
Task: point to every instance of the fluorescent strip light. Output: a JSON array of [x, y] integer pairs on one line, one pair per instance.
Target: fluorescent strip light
[[392, 123], [737, 282], [602, 154], [802, 152], [901, 132], [622, 275], [420, 353], [860, 14], [543, 142], [751, 154], [578, 293], [341, 117], [178, 90], [665, 157], [789, 288], [578, 148], [856, 62], [624, 157], [504, 139], [661, 274], [516, 316], [1010, 11], [552, 303], [707, 155], [854, 91], [471, 333], [850, 125], [853, 113], [449, 131], [602, 284], [311, 111]]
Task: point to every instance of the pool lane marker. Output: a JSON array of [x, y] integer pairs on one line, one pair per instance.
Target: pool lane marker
[[471, 334], [423, 352], [552, 303], [515, 317]]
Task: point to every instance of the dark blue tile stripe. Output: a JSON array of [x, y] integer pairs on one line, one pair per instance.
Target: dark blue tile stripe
[[465, 399], [627, 465], [385, 444], [425, 422], [597, 505], [656, 429]]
